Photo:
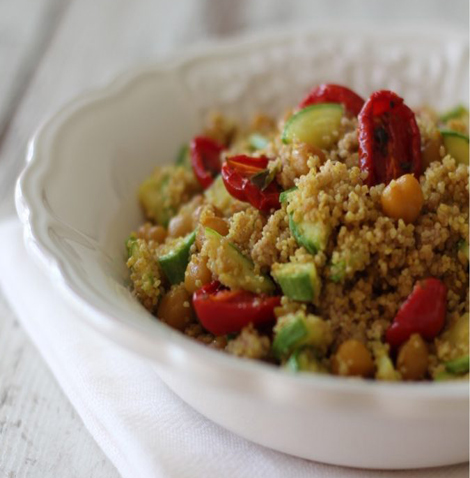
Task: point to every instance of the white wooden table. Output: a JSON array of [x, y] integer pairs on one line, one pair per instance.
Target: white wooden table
[[50, 50]]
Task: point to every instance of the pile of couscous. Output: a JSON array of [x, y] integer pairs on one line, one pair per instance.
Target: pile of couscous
[[332, 241]]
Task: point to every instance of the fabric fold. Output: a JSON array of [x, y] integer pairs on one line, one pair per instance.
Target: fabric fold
[[142, 426]]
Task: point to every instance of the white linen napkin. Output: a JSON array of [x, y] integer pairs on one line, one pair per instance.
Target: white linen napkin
[[144, 428]]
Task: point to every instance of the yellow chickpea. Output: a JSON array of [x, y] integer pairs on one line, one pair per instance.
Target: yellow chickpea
[[352, 359], [197, 274], [175, 308], [431, 151], [403, 198], [412, 361], [219, 224], [180, 225], [152, 233]]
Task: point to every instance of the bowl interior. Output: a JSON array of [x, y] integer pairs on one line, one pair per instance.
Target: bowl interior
[[78, 193]]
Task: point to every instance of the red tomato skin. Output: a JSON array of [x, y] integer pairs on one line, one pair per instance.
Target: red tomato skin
[[329, 93], [222, 311], [236, 173], [205, 159], [389, 139], [423, 312]]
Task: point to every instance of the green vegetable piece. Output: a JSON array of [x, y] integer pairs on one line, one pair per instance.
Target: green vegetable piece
[[299, 329], [313, 236], [174, 263], [314, 125], [455, 337], [239, 270], [338, 271], [456, 144], [442, 376], [264, 178], [152, 193], [458, 366], [258, 141], [289, 337], [305, 359], [183, 159], [131, 245], [217, 194], [283, 197], [463, 247], [385, 369], [455, 113], [298, 281]]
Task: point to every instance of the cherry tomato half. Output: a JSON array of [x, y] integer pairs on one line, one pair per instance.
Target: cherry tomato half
[[237, 174], [389, 139], [423, 313], [205, 159], [329, 93], [222, 311]]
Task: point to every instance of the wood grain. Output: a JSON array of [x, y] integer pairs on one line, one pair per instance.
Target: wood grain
[[40, 433]]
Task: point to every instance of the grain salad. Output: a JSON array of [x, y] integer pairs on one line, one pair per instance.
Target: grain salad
[[332, 241]]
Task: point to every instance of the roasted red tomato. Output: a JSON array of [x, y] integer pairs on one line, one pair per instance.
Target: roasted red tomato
[[247, 179], [352, 102], [423, 313], [222, 311], [389, 139], [205, 159]]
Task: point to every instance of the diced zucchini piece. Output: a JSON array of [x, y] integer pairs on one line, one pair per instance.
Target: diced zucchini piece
[[237, 271], [151, 194], [283, 197], [305, 359], [458, 366], [258, 141], [299, 329], [175, 262], [463, 248], [298, 281], [314, 125], [338, 271], [459, 112], [455, 338], [385, 369], [183, 159], [131, 245], [443, 375], [217, 194], [456, 144], [345, 262], [313, 236]]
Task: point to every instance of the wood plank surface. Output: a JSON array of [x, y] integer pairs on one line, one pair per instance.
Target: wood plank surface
[[51, 50]]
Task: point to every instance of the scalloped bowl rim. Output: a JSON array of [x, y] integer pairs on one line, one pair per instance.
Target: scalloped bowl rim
[[181, 351]]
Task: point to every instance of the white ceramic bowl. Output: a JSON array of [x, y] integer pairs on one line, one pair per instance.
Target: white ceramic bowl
[[76, 198]]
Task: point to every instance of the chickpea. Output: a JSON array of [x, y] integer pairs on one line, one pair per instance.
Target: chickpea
[[300, 155], [197, 215], [219, 342], [197, 274], [412, 361], [180, 225], [352, 359], [217, 223], [403, 198], [175, 308], [430, 152], [152, 233]]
